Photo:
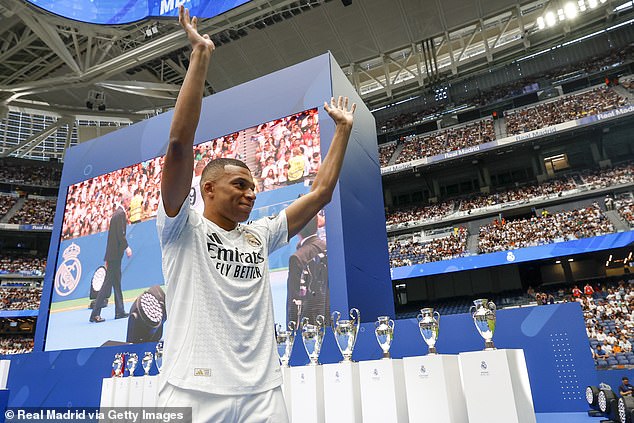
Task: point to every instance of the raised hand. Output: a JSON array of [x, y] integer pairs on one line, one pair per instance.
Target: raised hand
[[191, 29], [339, 111]]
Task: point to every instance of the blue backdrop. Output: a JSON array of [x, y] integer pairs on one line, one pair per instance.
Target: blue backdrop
[[553, 337]]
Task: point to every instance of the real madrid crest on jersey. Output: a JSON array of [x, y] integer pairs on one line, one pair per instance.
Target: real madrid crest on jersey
[[69, 272], [252, 239]]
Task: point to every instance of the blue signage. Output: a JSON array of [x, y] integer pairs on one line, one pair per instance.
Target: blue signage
[[116, 12]]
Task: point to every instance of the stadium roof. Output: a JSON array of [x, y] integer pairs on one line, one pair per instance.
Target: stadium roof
[[54, 63]]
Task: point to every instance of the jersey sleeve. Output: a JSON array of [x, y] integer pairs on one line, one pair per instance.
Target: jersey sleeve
[[170, 228]]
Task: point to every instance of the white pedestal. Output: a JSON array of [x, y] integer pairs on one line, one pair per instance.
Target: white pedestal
[[307, 384], [434, 390], [135, 398], [121, 391], [500, 376], [4, 373], [383, 391], [150, 391], [286, 390], [107, 391], [342, 393]]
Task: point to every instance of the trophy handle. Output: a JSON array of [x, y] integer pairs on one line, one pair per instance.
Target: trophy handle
[[437, 316], [356, 316], [391, 324], [334, 319], [292, 326], [419, 317], [320, 320], [376, 324], [471, 310], [492, 306], [304, 322]]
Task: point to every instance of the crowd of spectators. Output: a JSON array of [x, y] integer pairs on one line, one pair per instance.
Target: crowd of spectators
[[6, 202], [602, 178], [287, 150], [609, 316], [525, 193], [564, 109], [408, 119], [35, 211], [625, 207], [44, 176], [407, 253], [417, 147], [24, 265], [593, 179], [414, 214], [503, 235], [385, 153], [20, 298], [91, 203], [16, 345]]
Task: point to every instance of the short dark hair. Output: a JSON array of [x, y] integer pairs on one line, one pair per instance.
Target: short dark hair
[[625, 378], [218, 165]]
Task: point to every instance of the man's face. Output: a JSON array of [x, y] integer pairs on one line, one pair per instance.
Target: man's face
[[231, 196]]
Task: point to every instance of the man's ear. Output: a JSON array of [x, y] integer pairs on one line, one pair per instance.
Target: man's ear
[[208, 188]]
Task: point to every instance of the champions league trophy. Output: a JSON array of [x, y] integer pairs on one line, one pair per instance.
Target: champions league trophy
[[117, 365], [384, 332], [158, 356], [483, 313], [346, 332], [313, 337], [147, 363], [133, 360], [429, 327], [285, 340]]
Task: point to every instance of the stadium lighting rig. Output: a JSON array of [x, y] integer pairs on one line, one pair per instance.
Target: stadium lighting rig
[[569, 11]]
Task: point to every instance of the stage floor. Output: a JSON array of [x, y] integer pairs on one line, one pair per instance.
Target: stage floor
[[566, 418]]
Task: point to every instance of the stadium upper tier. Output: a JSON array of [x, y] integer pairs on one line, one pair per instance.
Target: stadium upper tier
[[565, 185], [597, 100]]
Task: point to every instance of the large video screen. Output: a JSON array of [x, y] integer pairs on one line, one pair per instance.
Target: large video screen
[[116, 12], [284, 156]]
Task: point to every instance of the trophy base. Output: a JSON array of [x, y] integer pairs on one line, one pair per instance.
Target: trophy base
[[432, 351], [488, 346], [386, 356]]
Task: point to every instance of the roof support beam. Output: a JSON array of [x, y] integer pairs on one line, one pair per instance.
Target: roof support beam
[[49, 35]]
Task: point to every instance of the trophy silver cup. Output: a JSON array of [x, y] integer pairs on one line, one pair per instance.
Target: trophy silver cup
[[158, 356], [147, 363], [346, 332], [483, 313], [313, 337], [131, 362], [117, 365], [429, 325], [384, 331], [285, 340]]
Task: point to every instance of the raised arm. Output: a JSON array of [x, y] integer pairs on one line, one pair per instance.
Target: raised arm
[[179, 160], [306, 207]]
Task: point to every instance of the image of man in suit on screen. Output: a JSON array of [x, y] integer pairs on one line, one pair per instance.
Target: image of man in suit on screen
[[307, 290], [117, 245]]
